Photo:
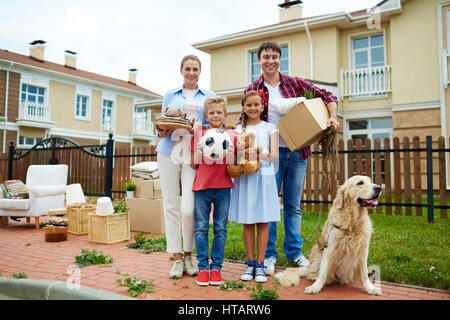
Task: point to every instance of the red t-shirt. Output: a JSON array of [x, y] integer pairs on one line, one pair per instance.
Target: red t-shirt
[[211, 174]]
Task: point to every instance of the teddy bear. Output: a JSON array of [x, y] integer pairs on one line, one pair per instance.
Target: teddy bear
[[242, 165]]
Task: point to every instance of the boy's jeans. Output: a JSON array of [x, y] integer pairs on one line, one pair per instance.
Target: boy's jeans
[[221, 199], [291, 173]]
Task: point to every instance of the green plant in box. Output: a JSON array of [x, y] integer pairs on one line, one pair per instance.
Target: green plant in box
[[309, 94], [130, 186], [121, 206]]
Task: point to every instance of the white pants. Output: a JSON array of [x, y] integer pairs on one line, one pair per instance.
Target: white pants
[[170, 176]]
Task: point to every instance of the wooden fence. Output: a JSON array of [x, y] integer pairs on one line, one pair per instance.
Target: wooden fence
[[123, 159], [412, 172], [402, 168]]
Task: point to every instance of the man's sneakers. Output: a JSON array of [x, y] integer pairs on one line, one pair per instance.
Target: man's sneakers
[[269, 263], [206, 277], [301, 261]]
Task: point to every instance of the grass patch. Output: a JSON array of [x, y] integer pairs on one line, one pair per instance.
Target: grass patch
[[407, 249], [20, 275], [146, 245]]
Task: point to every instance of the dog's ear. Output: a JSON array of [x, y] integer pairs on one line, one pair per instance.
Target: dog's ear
[[339, 201]]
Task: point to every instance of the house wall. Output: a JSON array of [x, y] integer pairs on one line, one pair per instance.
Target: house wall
[[124, 115], [414, 51]]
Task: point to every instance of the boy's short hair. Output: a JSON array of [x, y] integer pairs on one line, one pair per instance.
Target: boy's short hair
[[216, 100], [272, 45]]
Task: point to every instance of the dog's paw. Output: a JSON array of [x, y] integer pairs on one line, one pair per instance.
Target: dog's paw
[[313, 289], [374, 291]]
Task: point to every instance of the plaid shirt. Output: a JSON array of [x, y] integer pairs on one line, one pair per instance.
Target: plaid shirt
[[290, 87]]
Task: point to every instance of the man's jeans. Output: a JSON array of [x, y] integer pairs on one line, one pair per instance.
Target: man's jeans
[[221, 199], [291, 174]]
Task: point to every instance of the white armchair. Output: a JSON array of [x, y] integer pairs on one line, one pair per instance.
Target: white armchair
[[47, 185]]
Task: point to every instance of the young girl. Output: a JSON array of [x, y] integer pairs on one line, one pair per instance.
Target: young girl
[[254, 198]]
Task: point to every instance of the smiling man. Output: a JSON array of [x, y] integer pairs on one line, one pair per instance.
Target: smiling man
[[292, 165]]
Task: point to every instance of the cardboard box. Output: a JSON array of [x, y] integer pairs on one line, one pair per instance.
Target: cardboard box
[[148, 189], [304, 124], [146, 215]]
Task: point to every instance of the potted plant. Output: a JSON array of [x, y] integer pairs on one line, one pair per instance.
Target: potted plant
[[129, 188], [120, 206]]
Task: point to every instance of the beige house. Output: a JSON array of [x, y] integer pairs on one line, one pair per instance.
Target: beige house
[[40, 99], [388, 65]]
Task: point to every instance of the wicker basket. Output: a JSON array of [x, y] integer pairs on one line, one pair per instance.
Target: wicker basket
[[55, 234], [109, 229], [78, 218], [57, 212]]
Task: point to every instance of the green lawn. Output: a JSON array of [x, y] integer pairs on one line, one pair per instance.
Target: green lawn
[[407, 249]]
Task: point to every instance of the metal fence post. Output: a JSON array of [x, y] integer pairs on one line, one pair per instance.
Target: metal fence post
[[430, 207], [53, 159], [109, 166], [10, 159]]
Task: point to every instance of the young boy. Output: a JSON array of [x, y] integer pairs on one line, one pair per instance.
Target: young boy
[[212, 185]]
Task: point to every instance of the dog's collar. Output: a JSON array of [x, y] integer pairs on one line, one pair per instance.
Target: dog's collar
[[337, 227], [328, 235]]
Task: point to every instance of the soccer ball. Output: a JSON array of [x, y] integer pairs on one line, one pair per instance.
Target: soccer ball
[[214, 143]]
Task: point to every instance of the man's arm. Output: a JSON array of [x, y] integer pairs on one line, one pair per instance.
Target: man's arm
[[333, 120]]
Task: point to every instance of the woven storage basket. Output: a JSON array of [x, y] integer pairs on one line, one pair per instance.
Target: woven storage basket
[[54, 234], [109, 229], [78, 218]]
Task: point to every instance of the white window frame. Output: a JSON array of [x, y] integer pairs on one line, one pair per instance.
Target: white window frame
[[79, 116], [248, 59], [86, 92], [111, 128], [366, 34], [148, 113], [27, 145], [34, 80], [359, 35]]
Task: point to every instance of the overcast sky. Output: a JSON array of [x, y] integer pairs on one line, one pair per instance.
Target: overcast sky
[[112, 36]]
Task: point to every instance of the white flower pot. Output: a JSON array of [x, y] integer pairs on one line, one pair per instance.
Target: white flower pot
[[130, 194]]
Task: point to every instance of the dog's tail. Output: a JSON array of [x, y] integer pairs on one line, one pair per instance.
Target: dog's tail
[[303, 271], [291, 276]]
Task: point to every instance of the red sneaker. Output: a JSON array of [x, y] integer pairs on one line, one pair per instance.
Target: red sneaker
[[202, 278], [215, 278]]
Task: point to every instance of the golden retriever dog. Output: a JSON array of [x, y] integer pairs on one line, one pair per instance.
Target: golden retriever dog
[[342, 250]]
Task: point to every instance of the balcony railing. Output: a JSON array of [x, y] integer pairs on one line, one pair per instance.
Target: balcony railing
[[34, 112], [142, 127], [373, 81]]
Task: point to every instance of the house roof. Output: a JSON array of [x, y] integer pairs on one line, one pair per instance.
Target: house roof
[[55, 67], [340, 19]]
